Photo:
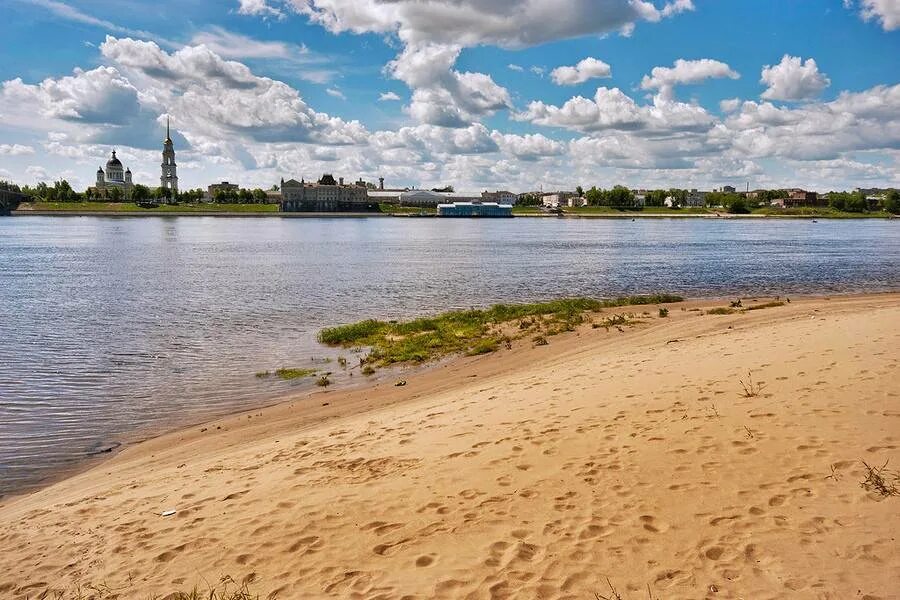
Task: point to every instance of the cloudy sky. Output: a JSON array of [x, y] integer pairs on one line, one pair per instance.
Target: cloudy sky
[[480, 94]]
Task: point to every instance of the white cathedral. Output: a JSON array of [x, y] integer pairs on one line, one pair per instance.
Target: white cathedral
[[117, 176]]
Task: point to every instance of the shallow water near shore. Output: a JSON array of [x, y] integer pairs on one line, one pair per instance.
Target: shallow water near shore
[[114, 325]]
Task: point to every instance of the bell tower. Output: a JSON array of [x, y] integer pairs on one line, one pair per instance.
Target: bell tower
[[169, 178]]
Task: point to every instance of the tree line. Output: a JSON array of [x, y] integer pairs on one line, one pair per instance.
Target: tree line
[[61, 191]]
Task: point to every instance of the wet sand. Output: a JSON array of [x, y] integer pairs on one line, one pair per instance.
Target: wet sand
[[631, 456]]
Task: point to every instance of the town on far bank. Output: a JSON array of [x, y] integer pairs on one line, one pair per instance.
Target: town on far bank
[[115, 191]]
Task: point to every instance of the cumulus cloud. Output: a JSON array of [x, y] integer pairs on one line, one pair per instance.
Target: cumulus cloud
[[528, 147], [335, 93], [212, 96], [507, 23], [793, 79], [442, 95], [867, 120], [886, 12], [588, 68], [683, 71], [388, 97], [15, 149], [517, 68], [612, 109]]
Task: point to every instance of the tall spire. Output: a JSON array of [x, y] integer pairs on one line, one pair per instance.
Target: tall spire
[[168, 138]]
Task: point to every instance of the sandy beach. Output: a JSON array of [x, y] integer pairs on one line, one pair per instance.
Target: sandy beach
[[632, 458]]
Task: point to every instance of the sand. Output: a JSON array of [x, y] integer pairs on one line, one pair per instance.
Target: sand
[[629, 456]]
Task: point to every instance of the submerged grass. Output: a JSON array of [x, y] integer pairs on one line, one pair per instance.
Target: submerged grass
[[288, 373], [470, 332]]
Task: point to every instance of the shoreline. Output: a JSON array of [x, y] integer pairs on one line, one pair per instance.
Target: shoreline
[[90, 461], [350, 215], [319, 416]]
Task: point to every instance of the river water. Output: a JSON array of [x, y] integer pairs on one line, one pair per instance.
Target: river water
[[110, 326]]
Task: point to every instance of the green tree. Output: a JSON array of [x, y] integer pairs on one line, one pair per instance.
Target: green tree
[[115, 194], [736, 204], [891, 202], [580, 191], [140, 193]]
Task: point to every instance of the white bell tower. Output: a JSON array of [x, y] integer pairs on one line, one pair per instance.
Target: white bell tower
[[169, 178]]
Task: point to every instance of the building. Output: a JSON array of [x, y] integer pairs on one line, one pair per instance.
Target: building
[[500, 197], [115, 176], [798, 198], [215, 188], [429, 199], [474, 209], [729, 189], [558, 199], [168, 180], [695, 199], [326, 195]]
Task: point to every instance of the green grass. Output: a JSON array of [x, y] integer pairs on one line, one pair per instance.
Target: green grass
[[396, 209], [288, 373], [470, 332], [130, 207], [819, 212], [527, 210]]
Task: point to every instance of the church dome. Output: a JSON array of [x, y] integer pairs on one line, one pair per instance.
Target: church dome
[[113, 162]]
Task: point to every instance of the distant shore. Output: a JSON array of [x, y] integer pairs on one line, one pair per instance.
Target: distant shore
[[715, 447], [102, 209]]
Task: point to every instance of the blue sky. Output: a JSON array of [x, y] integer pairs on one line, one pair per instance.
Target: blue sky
[[688, 93]]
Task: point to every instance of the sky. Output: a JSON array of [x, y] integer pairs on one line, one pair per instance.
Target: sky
[[479, 94]]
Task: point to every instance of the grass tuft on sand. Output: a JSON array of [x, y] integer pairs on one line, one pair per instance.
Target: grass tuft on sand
[[470, 332]]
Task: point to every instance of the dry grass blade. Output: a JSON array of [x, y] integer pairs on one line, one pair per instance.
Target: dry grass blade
[[880, 480], [751, 390]]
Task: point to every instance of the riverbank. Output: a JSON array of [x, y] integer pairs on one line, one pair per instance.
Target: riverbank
[[636, 456], [109, 209]]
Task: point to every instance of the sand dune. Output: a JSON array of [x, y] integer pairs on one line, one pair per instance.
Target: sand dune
[[534, 473]]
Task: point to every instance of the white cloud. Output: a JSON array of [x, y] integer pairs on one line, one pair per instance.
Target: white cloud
[[211, 96], [683, 71], [729, 105], [588, 68], [15, 149], [335, 93], [539, 71], [886, 12], [258, 8], [793, 79], [528, 147], [37, 173], [388, 97], [612, 109], [507, 23], [867, 120], [228, 44], [517, 68]]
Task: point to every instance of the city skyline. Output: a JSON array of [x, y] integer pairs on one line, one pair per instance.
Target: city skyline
[[688, 94]]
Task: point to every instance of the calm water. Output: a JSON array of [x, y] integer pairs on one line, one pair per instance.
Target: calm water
[[109, 326]]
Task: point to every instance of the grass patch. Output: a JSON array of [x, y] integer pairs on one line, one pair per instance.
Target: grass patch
[[720, 310], [470, 332], [764, 305], [288, 373], [663, 312]]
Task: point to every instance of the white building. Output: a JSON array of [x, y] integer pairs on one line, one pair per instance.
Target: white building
[[168, 180], [115, 176], [500, 197]]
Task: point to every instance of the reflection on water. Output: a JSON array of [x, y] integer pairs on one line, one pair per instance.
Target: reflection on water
[[114, 324]]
